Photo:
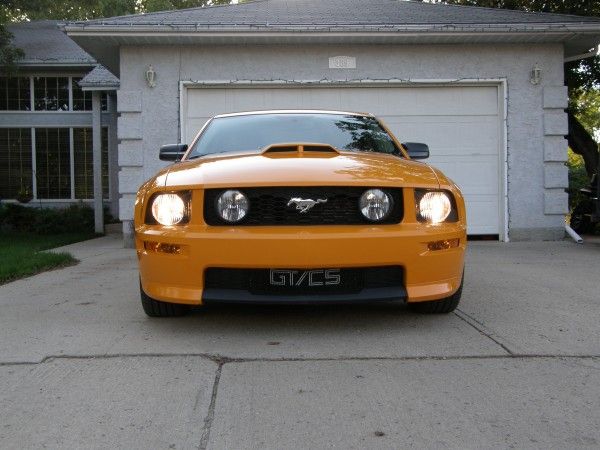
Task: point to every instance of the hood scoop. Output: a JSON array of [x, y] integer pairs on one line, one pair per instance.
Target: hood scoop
[[300, 148]]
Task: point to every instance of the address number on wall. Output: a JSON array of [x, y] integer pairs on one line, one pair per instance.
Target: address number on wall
[[342, 62]]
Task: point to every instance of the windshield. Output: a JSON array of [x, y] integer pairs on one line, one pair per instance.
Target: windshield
[[254, 132]]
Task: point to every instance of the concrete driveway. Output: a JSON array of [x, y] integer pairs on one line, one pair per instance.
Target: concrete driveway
[[517, 366]]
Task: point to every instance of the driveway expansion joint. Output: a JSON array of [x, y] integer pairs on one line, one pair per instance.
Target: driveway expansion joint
[[208, 420], [481, 328], [222, 360]]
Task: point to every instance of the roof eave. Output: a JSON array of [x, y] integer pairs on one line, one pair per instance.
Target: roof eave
[[99, 87], [308, 28], [54, 63], [103, 41]]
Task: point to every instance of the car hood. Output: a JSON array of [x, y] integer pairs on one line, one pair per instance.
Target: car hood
[[292, 168]]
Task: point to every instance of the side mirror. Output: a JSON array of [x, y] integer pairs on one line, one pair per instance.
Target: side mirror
[[172, 152], [417, 150]]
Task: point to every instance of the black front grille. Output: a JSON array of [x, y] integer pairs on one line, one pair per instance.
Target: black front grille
[[269, 206], [257, 281]]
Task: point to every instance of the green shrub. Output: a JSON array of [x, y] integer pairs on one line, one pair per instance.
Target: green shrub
[[77, 218], [578, 177]]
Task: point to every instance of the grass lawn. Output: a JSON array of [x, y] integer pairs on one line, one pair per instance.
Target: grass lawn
[[21, 254]]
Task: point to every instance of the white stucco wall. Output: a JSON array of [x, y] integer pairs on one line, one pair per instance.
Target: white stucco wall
[[536, 123]]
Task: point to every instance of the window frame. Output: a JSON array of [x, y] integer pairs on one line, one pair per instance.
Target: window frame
[[11, 133], [72, 198], [70, 76], [26, 82]]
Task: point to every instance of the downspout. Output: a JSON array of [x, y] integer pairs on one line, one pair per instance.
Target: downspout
[[573, 235]]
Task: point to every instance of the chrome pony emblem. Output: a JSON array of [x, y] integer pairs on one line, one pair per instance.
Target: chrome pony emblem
[[304, 205]]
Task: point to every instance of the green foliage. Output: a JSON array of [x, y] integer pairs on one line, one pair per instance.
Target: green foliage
[[164, 5], [578, 177], [45, 221], [9, 55], [585, 104], [17, 10], [577, 7]]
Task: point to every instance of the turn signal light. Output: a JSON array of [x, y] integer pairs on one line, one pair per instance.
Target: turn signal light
[[159, 247], [443, 245]]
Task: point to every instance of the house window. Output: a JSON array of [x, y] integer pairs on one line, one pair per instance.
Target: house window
[[51, 93], [53, 163], [15, 163], [15, 94], [50, 175], [82, 100], [84, 168]]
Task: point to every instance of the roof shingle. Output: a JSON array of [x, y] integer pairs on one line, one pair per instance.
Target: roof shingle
[[99, 77], [44, 42], [338, 12]]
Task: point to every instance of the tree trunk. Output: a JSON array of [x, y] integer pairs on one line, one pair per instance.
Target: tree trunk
[[582, 143]]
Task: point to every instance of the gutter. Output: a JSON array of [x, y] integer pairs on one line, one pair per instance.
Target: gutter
[[81, 28], [99, 87], [53, 63]]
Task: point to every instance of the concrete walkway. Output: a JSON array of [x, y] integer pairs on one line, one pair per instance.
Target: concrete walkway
[[518, 365]]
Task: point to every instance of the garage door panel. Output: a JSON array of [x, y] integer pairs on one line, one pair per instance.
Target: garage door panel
[[470, 135], [479, 215], [459, 123], [196, 106], [193, 126], [482, 179], [436, 101]]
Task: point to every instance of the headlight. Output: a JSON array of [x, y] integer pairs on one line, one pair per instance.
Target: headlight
[[232, 206], [375, 205], [168, 209], [434, 207]]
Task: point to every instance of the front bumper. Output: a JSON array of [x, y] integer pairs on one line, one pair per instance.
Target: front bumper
[[179, 278]]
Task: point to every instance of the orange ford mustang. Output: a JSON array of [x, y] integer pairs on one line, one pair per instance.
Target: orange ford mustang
[[298, 207]]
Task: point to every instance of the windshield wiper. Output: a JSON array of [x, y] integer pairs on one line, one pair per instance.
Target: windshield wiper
[[199, 155]]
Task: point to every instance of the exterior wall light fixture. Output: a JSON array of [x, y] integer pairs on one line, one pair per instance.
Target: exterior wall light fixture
[[150, 76], [536, 74]]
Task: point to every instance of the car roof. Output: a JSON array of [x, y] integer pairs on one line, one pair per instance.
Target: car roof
[[291, 111]]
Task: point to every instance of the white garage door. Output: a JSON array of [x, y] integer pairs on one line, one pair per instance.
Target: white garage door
[[461, 125]]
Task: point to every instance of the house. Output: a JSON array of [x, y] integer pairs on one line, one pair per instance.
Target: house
[[48, 122], [483, 87]]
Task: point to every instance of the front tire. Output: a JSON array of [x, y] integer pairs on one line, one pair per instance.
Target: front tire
[[443, 306], [155, 308]]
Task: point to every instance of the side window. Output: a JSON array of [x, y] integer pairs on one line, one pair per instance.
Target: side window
[[15, 162], [82, 100], [15, 94], [53, 162]]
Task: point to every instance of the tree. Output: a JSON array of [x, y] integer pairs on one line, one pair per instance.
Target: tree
[[9, 55], [18, 10]]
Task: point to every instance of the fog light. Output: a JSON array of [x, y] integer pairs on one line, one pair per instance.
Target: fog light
[[443, 245], [160, 247], [375, 205]]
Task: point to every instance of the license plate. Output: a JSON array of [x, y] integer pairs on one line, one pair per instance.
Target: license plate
[[314, 278]]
